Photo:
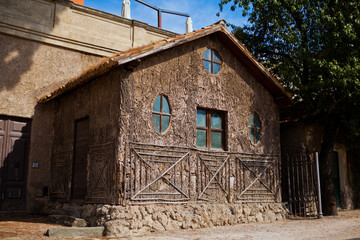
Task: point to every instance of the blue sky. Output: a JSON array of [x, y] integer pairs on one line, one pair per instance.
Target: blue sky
[[202, 12]]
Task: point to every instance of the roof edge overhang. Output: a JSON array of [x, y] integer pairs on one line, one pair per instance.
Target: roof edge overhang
[[281, 97]]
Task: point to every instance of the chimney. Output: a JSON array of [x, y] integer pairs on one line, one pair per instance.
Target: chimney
[[125, 11], [81, 2], [189, 27]]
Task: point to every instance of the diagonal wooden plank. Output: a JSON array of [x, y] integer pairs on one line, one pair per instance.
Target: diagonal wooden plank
[[60, 165], [213, 174], [101, 175], [257, 177], [146, 162], [162, 175], [216, 173]]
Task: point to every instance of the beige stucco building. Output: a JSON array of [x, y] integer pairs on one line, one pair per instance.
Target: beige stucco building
[[43, 43]]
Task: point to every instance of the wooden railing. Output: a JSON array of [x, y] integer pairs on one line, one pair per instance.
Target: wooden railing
[[173, 174]]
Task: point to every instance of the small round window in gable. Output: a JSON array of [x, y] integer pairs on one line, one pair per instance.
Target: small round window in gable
[[254, 128], [212, 61], [161, 113]]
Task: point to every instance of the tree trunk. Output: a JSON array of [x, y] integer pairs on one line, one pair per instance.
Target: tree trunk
[[327, 146]]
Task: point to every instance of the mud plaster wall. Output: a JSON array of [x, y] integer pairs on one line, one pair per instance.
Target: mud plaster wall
[[301, 136], [42, 135], [180, 75], [54, 127], [30, 69], [99, 101]]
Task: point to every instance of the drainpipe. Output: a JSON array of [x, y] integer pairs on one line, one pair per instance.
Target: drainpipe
[[318, 184]]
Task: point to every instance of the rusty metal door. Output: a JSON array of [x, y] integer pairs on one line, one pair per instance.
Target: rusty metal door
[[14, 150], [301, 185], [81, 146]]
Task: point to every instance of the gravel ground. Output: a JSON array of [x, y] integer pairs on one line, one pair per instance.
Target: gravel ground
[[344, 226]]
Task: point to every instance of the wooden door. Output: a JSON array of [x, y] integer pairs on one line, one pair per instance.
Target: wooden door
[[14, 151], [79, 182]]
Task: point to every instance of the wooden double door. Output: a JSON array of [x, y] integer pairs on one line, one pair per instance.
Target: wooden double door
[[14, 151]]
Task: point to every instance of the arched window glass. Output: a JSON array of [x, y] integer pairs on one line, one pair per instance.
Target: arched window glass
[[212, 61], [161, 113], [254, 128]]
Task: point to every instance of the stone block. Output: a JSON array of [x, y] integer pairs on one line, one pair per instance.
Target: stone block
[[62, 232], [259, 217]]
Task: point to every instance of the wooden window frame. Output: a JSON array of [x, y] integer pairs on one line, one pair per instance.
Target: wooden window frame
[[161, 114], [255, 128], [211, 61], [209, 129]]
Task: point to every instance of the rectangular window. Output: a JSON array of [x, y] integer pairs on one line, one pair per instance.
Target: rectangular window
[[210, 129]]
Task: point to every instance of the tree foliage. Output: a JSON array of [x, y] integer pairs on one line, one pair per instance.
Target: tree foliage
[[313, 48]]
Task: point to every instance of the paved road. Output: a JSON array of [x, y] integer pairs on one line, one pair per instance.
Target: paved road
[[344, 226]]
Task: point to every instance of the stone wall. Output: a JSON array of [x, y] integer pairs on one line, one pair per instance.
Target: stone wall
[[119, 220]]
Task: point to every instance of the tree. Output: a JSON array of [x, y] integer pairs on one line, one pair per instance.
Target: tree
[[313, 48]]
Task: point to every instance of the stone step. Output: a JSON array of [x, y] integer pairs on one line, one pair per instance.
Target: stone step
[[63, 232]]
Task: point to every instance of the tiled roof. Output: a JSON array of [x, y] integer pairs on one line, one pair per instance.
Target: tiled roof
[[261, 73]]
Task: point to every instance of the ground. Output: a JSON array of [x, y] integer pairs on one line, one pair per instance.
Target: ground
[[344, 226]]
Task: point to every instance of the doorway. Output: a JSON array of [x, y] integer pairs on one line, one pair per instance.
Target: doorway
[[14, 152], [81, 145]]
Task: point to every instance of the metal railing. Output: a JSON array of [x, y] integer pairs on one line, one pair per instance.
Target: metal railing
[[302, 185]]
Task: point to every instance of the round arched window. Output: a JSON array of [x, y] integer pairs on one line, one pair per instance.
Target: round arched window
[[254, 128], [212, 61], [161, 113]]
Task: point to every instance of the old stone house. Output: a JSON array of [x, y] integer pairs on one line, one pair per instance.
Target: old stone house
[[43, 43], [189, 120], [187, 125]]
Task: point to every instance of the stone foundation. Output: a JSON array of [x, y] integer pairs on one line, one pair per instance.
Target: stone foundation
[[120, 220]]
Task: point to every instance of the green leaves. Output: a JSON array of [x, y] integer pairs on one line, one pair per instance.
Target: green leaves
[[312, 47]]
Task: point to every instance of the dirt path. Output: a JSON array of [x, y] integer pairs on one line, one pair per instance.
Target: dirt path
[[344, 226]]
